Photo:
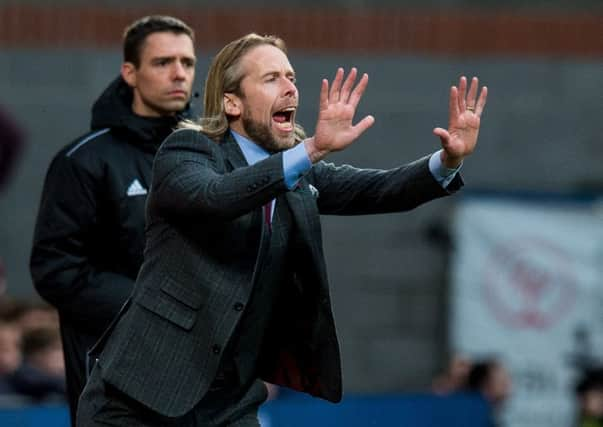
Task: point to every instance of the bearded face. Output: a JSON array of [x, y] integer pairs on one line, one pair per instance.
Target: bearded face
[[268, 100]]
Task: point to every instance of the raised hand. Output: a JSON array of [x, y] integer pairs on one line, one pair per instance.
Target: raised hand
[[465, 110], [334, 128]]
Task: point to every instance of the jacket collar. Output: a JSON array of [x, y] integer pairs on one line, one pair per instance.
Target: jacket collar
[[113, 109], [234, 155]]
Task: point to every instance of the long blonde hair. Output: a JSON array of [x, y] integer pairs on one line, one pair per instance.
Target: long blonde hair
[[224, 76]]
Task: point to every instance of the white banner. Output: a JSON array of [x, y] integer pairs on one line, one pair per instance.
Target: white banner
[[527, 288]]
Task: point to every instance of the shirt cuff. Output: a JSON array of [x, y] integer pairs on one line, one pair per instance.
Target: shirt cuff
[[441, 173], [296, 164]]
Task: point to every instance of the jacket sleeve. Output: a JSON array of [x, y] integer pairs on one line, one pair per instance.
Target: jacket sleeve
[[190, 179], [61, 263], [346, 190]]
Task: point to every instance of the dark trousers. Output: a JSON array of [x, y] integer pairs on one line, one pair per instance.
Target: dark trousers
[[102, 405]]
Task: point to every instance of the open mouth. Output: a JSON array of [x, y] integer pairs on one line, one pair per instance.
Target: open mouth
[[284, 119]]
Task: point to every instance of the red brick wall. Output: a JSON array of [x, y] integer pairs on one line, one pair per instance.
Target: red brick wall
[[395, 31]]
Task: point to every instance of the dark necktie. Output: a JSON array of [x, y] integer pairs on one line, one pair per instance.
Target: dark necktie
[[267, 215]]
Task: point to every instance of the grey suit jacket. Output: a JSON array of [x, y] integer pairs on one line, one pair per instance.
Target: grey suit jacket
[[203, 232]]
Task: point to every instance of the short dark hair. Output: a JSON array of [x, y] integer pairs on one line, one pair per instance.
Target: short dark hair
[[39, 339], [137, 32], [590, 379], [479, 374]]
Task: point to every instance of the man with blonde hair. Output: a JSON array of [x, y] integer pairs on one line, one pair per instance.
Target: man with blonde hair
[[233, 289]]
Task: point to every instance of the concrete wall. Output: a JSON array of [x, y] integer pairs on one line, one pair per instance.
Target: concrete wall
[[541, 132]]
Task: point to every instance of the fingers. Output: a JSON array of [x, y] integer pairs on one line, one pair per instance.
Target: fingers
[[481, 102], [324, 95], [359, 90], [470, 103], [363, 125], [336, 86], [461, 94], [443, 135], [347, 85], [454, 104], [346, 92]]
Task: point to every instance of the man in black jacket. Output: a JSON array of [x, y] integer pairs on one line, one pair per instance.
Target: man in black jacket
[[89, 238]]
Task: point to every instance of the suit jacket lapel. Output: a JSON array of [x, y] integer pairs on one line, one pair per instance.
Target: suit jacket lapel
[[304, 209], [301, 200], [296, 199]]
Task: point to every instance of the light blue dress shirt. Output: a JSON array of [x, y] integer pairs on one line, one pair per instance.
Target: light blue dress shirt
[[296, 162]]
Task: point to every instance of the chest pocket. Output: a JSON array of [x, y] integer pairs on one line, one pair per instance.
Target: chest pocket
[[173, 301]]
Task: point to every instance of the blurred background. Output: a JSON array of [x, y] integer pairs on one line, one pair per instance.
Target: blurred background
[[509, 271]]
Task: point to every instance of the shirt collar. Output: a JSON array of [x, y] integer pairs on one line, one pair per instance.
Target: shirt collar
[[253, 153]]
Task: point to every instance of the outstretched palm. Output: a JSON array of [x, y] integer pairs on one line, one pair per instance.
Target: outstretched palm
[[334, 128], [465, 110]]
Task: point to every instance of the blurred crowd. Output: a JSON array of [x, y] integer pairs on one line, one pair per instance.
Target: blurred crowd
[[487, 378], [589, 393], [31, 358], [32, 370], [490, 379]]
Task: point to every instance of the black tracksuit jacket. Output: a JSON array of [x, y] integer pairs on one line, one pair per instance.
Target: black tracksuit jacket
[[89, 236]]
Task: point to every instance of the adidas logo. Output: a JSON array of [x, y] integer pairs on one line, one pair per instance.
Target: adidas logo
[[136, 189]]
